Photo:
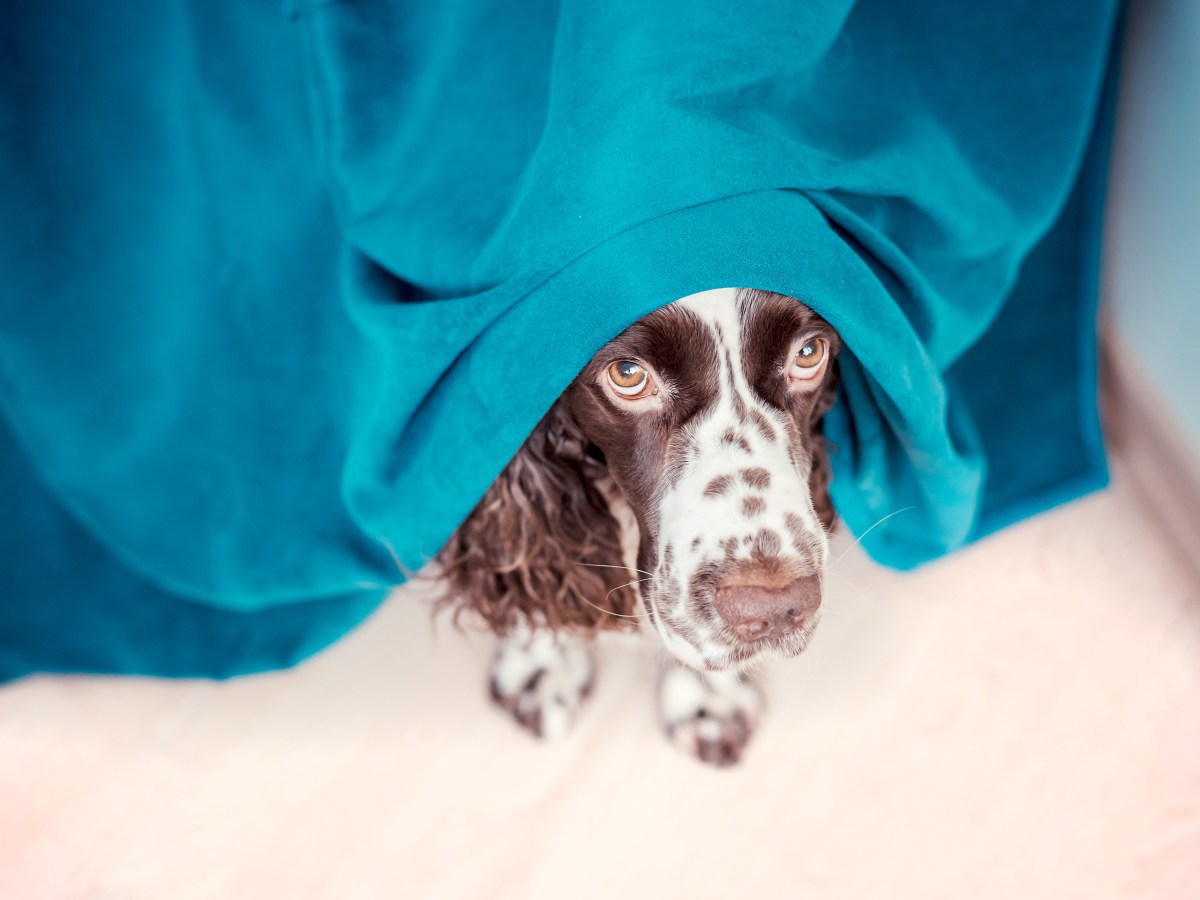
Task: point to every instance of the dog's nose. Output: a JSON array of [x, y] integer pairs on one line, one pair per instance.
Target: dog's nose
[[757, 611]]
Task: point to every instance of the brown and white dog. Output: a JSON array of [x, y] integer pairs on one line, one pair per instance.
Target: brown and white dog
[[679, 483]]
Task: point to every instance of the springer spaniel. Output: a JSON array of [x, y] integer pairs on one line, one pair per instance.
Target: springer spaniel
[[680, 483]]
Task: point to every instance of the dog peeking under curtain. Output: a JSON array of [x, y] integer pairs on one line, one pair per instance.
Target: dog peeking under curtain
[[681, 483], [285, 290]]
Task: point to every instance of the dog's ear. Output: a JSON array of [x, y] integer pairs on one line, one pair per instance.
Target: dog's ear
[[539, 546], [819, 476]]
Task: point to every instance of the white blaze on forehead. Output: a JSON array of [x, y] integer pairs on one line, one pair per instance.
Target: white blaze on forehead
[[719, 311]]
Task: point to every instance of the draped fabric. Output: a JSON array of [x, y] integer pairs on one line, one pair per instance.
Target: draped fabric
[[283, 289]]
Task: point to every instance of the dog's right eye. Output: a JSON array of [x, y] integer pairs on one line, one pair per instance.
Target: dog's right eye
[[629, 379]]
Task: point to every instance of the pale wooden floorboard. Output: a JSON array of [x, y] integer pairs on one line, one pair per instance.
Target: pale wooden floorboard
[[1019, 721]]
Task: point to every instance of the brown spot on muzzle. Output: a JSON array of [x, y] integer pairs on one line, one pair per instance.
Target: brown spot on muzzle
[[802, 538], [733, 438], [718, 486], [757, 477], [761, 422], [753, 506], [795, 526]]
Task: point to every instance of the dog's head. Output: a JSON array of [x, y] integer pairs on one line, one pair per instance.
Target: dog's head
[[703, 418], [706, 413]]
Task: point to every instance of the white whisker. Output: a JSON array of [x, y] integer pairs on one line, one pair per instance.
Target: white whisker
[[858, 540], [609, 594], [855, 588], [602, 566]]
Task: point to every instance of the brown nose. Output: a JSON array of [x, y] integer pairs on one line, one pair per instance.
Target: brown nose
[[756, 611]]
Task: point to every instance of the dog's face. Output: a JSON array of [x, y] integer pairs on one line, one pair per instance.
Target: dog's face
[[705, 413]]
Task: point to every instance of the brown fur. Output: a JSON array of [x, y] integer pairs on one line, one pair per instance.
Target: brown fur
[[524, 552], [819, 477]]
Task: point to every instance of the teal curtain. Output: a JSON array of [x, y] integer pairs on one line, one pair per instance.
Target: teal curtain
[[273, 280]]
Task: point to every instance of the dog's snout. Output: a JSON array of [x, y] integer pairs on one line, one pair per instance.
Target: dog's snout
[[757, 611]]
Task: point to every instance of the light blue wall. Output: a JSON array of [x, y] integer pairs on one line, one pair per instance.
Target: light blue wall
[[1152, 240]]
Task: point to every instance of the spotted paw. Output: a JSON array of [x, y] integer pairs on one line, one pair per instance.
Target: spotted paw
[[541, 680], [710, 716]]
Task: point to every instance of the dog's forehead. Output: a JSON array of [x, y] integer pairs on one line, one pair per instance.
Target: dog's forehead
[[735, 317], [766, 313], [695, 329]]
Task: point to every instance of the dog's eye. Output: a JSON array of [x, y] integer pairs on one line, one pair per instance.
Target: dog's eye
[[629, 379], [807, 361]]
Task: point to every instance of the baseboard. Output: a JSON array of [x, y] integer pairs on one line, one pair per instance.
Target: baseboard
[[1148, 449]]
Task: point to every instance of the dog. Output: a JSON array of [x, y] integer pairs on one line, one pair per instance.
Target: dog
[[679, 485]]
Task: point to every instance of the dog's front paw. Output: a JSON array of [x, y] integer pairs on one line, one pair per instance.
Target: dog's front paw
[[541, 680], [710, 716]]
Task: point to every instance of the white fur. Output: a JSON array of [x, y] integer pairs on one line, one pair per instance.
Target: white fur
[[565, 668], [708, 714]]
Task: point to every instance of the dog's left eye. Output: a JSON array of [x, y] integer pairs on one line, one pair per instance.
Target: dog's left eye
[[807, 361], [629, 379]]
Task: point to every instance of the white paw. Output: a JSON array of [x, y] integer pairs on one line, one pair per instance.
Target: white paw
[[541, 679], [709, 715]]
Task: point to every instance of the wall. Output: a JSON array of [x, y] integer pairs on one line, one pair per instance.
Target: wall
[[1152, 239]]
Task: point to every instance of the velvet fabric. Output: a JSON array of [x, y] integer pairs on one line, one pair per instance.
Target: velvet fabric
[[282, 289]]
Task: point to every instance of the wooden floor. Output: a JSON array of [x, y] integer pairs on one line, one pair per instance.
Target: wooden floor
[[1019, 721]]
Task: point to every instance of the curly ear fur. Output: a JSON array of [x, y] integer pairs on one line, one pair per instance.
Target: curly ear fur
[[819, 477], [536, 546]]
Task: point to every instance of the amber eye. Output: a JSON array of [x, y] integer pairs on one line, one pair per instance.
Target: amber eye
[[629, 379], [809, 356]]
